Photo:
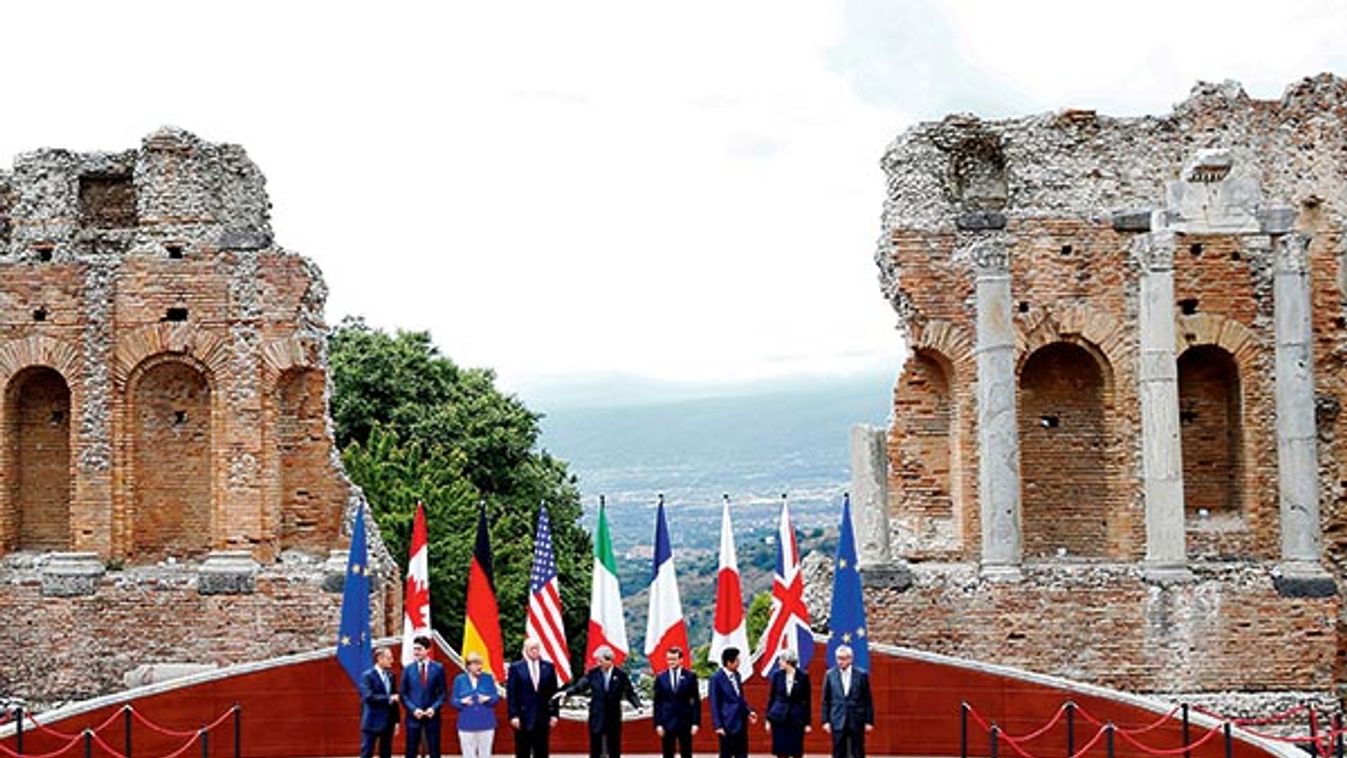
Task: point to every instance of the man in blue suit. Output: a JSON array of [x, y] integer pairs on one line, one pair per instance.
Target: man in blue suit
[[848, 711], [678, 706], [529, 687], [607, 686], [730, 714], [423, 694], [378, 706]]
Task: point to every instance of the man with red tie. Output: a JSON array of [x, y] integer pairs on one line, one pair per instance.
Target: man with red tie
[[423, 694], [529, 687]]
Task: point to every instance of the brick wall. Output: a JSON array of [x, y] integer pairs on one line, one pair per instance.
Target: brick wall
[[1057, 189], [163, 363]]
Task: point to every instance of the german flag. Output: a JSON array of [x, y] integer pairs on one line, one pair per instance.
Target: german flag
[[481, 629]]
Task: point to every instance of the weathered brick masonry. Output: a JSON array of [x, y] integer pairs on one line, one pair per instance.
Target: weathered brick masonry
[[1138, 324], [169, 487]]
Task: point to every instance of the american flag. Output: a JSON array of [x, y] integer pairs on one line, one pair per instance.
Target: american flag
[[788, 626], [544, 621]]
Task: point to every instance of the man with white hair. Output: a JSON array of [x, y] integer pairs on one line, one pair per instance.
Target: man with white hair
[[529, 686], [848, 711], [607, 686]]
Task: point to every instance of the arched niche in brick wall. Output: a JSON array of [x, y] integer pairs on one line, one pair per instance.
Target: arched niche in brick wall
[[925, 443], [1065, 453], [1215, 354], [37, 461], [171, 485]]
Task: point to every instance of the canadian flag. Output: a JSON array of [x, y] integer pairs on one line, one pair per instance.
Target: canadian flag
[[416, 602], [731, 627]]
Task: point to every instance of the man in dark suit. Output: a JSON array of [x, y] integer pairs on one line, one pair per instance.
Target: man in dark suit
[[423, 694], [678, 706], [848, 712], [730, 714], [607, 685], [378, 706], [529, 687]]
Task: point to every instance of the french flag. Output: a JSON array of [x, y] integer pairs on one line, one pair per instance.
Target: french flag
[[665, 627]]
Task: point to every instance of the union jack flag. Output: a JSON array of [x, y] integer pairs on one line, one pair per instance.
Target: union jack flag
[[788, 626]]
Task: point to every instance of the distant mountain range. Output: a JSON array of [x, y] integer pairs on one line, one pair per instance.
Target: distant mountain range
[[750, 442]]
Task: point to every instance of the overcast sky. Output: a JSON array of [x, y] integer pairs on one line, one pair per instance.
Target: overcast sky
[[686, 191]]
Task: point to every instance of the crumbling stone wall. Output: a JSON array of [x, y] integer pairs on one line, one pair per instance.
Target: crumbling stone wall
[[1067, 196], [169, 486]]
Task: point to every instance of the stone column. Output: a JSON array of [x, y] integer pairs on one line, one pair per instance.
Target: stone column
[[1161, 445], [870, 495], [998, 431], [1297, 445]]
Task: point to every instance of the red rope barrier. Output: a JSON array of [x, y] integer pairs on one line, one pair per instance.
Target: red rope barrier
[[66, 736], [1135, 730], [179, 733], [52, 754], [1199, 742], [1039, 732], [117, 754]]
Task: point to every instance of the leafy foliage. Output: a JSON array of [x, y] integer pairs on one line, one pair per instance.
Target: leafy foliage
[[413, 426]]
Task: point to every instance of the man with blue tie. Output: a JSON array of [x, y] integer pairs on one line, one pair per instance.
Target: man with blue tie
[[378, 706], [678, 705], [848, 712], [607, 686], [730, 714], [423, 694], [529, 687]]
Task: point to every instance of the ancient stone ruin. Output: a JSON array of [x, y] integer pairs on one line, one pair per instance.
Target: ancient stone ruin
[[170, 492], [1117, 448]]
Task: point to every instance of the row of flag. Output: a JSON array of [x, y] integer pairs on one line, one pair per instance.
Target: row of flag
[[788, 626]]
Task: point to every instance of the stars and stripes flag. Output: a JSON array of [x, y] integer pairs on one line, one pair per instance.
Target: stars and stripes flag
[[788, 625], [416, 599], [665, 627], [730, 627], [544, 621]]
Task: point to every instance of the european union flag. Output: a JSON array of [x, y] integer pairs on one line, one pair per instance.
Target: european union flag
[[353, 642], [847, 618]]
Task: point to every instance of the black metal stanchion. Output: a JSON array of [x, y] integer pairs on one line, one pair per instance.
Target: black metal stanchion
[[1229, 741], [963, 730], [88, 743], [1337, 733], [18, 730], [1187, 740], [205, 743], [126, 726], [1070, 729], [996, 738], [1108, 739], [238, 731]]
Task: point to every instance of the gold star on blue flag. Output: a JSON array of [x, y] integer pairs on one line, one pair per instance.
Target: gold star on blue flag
[[353, 639], [848, 606]]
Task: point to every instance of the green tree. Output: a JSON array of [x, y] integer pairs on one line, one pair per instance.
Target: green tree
[[413, 426], [759, 613]]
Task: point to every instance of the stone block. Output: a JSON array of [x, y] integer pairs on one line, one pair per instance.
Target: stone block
[[1131, 220], [980, 221], [154, 673], [228, 572], [71, 574]]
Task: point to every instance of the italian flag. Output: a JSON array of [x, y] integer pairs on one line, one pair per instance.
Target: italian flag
[[606, 625]]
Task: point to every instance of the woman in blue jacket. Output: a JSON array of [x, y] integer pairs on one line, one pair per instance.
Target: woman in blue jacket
[[475, 698]]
